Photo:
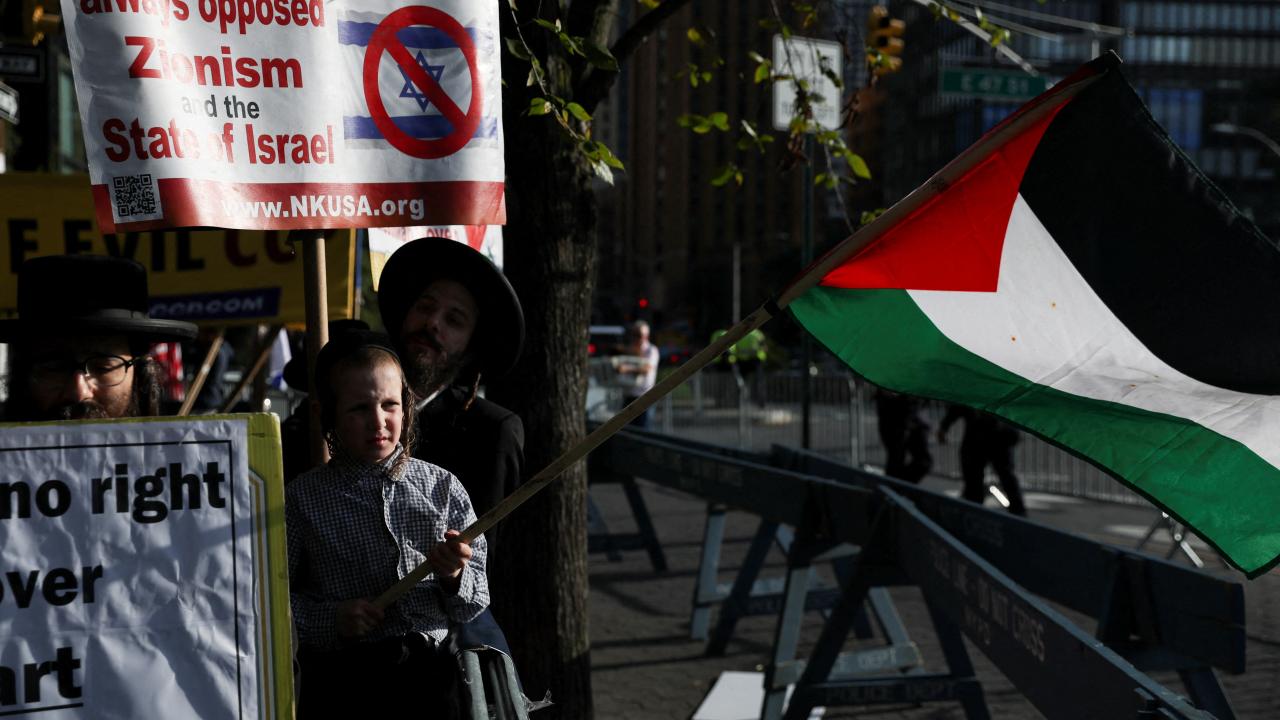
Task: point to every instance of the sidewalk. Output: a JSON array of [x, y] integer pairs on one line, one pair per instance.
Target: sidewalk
[[644, 666]]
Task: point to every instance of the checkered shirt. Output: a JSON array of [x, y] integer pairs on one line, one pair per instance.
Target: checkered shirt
[[355, 529]]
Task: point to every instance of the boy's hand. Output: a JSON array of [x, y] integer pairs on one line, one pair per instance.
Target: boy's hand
[[356, 618], [448, 558]]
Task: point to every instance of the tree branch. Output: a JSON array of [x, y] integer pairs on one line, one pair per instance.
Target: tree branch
[[596, 83]]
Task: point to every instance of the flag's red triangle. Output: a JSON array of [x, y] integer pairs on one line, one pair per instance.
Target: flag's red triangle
[[953, 241]]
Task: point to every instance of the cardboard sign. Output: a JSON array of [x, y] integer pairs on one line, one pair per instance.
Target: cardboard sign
[[144, 570], [207, 276], [277, 114]]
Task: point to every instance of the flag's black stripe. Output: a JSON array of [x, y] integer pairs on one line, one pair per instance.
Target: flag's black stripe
[[1193, 279]]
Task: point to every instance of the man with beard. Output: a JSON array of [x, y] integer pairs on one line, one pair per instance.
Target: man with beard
[[456, 320], [79, 344]]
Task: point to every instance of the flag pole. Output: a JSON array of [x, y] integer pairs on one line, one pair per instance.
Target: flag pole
[[806, 280]]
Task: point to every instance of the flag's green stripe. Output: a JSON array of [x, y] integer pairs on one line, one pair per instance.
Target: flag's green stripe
[[1211, 482]]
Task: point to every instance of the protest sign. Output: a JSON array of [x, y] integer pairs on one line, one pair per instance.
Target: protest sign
[[207, 276], [487, 239], [144, 570], [279, 114]]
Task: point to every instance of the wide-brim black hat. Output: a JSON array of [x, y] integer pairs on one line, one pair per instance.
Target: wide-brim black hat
[[499, 334], [87, 295]]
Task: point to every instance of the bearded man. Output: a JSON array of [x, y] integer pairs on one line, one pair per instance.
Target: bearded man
[[79, 346], [455, 321]]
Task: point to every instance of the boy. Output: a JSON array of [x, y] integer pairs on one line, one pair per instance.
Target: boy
[[360, 523]]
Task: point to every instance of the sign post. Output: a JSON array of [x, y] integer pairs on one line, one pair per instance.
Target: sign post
[[818, 64], [815, 62]]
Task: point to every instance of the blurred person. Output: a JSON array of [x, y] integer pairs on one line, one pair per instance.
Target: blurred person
[[79, 346], [904, 434], [637, 367], [986, 440]]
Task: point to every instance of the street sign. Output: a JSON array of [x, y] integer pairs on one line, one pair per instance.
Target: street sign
[[813, 61], [21, 65], [990, 84], [8, 104]]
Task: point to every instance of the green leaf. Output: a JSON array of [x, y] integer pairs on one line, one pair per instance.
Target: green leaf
[[720, 120], [539, 106], [687, 120], [695, 37], [756, 57], [517, 49], [749, 129], [727, 173], [858, 165], [763, 71], [650, 4], [578, 111], [552, 26], [600, 56]]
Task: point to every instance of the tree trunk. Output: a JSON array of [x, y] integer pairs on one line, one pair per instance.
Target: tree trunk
[[549, 256]]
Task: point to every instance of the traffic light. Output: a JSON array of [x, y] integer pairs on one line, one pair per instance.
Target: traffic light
[[37, 21], [884, 41]]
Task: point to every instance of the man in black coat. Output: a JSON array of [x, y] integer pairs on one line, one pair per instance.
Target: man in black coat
[[456, 320], [80, 346]]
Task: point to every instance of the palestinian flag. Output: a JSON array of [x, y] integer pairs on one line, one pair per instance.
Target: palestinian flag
[[1074, 274]]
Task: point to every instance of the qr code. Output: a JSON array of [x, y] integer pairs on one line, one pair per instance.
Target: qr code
[[135, 197]]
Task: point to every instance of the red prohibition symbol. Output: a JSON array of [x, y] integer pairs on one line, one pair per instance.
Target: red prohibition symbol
[[384, 40]]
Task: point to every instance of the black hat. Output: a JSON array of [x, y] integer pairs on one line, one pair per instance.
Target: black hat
[[295, 371], [92, 294], [499, 332], [346, 342]]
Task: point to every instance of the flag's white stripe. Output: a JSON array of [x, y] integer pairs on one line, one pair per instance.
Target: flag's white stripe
[[1046, 324]]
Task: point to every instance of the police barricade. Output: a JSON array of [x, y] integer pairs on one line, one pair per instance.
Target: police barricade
[[1159, 615], [1058, 667]]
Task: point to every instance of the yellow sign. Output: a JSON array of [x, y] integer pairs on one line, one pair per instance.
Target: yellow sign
[[205, 275]]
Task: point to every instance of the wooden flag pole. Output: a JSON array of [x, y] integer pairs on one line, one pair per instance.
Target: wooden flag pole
[[197, 383], [264, 352], [317, 299], [810, 277]]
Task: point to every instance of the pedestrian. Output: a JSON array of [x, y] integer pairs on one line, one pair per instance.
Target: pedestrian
[[904, 434], [80, 344], [359, 524], [986, 441], [637, 367]]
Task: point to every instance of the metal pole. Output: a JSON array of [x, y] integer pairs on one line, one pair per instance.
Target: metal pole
[[806, 257], [317, 296], [737, 281]]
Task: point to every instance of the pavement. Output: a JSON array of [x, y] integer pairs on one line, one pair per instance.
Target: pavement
[[645, 666]]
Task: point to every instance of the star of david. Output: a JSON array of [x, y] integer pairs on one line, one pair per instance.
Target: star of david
[[410, 90]]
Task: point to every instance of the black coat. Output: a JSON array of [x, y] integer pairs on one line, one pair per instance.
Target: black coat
[[483, 446]]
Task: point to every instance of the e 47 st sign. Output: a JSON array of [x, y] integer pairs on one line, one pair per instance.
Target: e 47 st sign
[[989, 84]]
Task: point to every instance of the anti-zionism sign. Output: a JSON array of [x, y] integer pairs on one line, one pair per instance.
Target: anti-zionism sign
[[143, 570], [277, 114]]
